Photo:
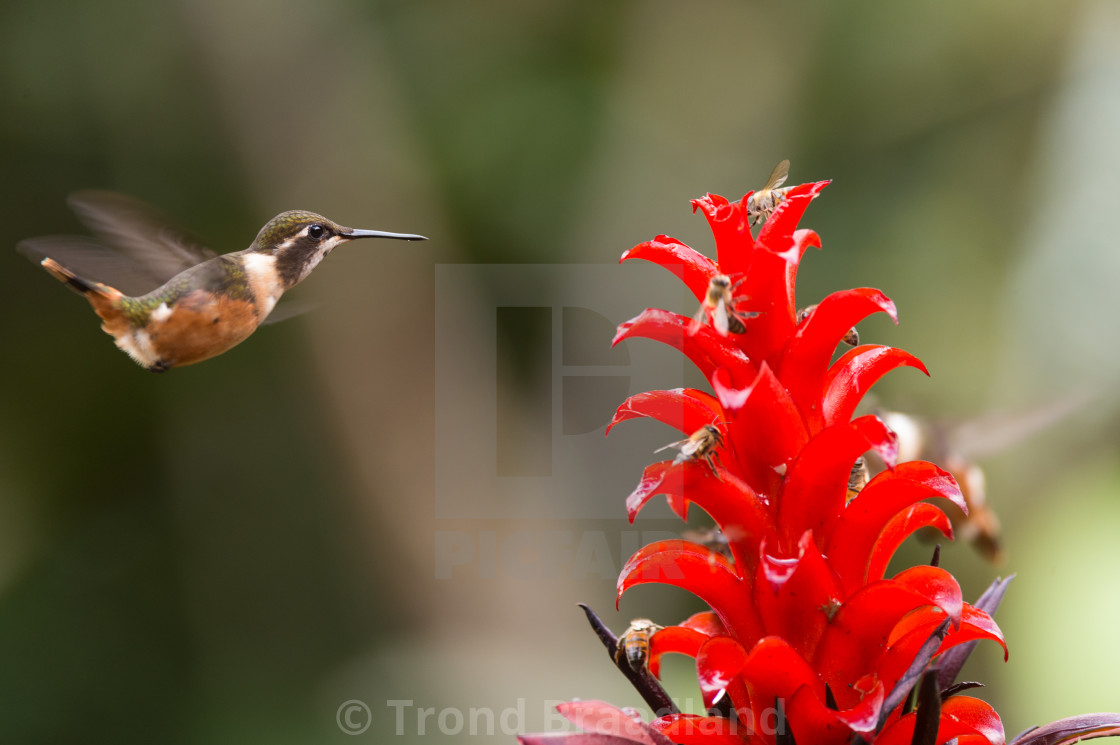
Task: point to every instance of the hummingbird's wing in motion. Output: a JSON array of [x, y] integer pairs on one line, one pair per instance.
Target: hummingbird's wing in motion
[[995, 433], [139, 232], [90, 259], [286, 309]]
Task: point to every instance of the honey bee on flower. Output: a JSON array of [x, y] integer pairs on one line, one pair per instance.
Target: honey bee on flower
[[711, 537], [851, 338], [700, 444], [766, 200], [858, 478], [719, 306], [633, 644]]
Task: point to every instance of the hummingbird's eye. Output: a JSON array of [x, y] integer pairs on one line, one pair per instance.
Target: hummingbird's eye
[[316, 232]]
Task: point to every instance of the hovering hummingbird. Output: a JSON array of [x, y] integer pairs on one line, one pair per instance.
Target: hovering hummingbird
[[172, 301]]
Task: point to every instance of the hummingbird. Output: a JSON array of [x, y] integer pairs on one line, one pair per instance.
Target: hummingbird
[[167, 300]]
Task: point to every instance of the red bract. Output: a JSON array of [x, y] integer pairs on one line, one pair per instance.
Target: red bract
[[801, 610], [808, 640]]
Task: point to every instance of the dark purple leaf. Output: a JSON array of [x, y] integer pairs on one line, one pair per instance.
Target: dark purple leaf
[[1083, 727], [917, 667], [949, 667]]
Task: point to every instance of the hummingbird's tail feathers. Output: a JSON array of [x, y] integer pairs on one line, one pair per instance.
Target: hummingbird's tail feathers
[[79, 285], [67, 277]]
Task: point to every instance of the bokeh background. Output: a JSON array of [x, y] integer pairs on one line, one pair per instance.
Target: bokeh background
[[227, 553]]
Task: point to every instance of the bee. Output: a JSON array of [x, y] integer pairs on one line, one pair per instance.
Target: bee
[[766, 200], [719, 305], [851, 338], [700, 444], [633, 645], [711, 538], [857, 478]]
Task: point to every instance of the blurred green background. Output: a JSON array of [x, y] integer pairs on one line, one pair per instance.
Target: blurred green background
[[227, 553]]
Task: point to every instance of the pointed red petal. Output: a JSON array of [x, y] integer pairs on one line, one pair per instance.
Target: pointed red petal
[[798, 599], [601, 718], [706, 348], [693, 267], [574, 738], [768, 290], [774, 671], [935, 585], [728, 221], [805, 362], [776, 233], [851, 537], [705, 622], [963, 715], [773, 660], [854, 374], [913, 630], [690, 729], [899, 528], [742, 516], [701, 571], [812, 721], [859, 632], [816, 487], [686, 409], [759, 450], [673, 640], [718, 665]]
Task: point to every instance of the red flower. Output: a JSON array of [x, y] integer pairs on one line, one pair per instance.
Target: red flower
[[807, 640]]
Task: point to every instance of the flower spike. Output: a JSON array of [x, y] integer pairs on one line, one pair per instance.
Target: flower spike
[[805, 628]]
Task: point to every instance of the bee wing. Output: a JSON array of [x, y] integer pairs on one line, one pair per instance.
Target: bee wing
[[778, 176], [139, 232], [676, 444], [698, 320], [719, 318], [91, 260]]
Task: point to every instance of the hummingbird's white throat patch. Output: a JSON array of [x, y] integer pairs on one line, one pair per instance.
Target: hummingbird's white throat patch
[[264, 279]]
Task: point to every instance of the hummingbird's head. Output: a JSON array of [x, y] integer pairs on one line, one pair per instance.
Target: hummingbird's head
[[299, 240]]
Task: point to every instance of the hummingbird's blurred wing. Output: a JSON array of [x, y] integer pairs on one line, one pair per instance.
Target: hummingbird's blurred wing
[[139, 232], [91, 260], [286, 309], [992, 434]]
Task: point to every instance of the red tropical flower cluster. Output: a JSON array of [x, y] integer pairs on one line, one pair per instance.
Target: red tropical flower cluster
[[807, 640]]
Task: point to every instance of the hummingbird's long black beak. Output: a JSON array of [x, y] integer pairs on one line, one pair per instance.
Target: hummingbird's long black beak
[[354, 233]]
